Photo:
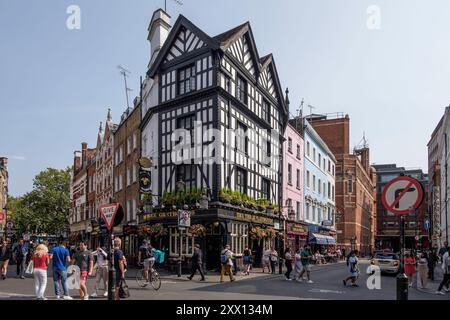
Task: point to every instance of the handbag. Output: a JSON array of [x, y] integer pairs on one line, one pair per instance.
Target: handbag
[[30, 267], [124, 292]]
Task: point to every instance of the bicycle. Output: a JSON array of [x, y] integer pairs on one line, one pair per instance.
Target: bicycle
[[153, 275]]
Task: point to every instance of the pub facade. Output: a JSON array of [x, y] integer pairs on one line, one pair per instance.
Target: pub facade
[[213, 118]]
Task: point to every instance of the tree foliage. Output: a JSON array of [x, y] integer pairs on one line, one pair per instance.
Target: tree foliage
[[45, 209]]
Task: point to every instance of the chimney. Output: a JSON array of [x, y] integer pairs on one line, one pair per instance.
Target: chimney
[[365, 159], [76, 161], [83, 154], [158, 31]]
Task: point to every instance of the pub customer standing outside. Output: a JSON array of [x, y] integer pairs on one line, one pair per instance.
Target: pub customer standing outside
[[20, 256], [119, 266], [197, 258]]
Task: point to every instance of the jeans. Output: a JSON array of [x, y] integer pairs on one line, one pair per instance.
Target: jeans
[[289, 268], [272, 266], [60, 275], [195, 267], [21, 267], [444, 281], [102, 274], [40, 282]]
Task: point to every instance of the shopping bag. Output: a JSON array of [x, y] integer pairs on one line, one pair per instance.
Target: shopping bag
[[30, 267]]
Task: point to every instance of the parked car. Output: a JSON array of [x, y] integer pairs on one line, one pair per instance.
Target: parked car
[[388, 262]]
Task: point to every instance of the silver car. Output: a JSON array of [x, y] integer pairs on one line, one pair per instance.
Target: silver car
[[388, 262]]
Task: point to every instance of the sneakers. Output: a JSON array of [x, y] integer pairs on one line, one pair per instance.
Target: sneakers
[[67, 298], [58, 297], [440, 292], [86, 297], [310, 281], [94, 295], [189, 278], [105, 294], [3, 277], [22, 277]]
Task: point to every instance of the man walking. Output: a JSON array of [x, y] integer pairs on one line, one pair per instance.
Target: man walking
[[446, 269], [84, 260], [197, 258], [60, 255], [305, 257], [5, 253], [102, 271], [226, 263], [20, 256]]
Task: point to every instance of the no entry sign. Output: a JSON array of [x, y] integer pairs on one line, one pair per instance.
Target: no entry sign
[[402, 195]]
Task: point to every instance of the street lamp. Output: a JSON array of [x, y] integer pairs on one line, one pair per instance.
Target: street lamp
[[180, 186]]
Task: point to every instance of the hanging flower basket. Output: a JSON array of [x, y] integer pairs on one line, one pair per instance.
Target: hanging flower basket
[[144, 231], [271, 233], [157, 230], [257, 233], [197, 230]]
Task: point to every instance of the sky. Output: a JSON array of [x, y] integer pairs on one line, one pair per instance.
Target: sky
[[387, 69]]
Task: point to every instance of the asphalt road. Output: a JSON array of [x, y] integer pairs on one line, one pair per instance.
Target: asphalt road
[[258, 286]]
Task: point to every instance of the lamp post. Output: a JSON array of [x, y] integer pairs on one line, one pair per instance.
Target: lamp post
[[180, 186]]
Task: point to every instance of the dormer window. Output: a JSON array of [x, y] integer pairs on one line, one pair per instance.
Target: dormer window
[[186, 79]]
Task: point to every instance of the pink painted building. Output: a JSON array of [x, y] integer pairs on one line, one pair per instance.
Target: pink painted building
[[293, 183]]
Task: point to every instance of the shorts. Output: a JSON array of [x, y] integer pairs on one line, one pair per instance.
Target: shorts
[[307, 267], [83, 275], [148, 263], [118, 279]]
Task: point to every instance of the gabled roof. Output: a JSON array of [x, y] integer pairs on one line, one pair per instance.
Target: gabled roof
[[221, 41]]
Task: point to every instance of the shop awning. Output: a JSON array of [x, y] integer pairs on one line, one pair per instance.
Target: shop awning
[[321, 239]]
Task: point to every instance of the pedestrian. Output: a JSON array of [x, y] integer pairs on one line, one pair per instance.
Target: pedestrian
[[197, 262], [60, 256], [423, 270], [102, 271], [83, 259], [338, 254], [147, 257], [432, 260], [443, 250], [343, 254], [298, 264], [352, 263], [446, 269], [288, 263], [20, 253], [119, 266], [247, 260], [5, 253], [226, 263], [305, 257], [273, 260], [40, 260], [410, 268], [266, 260]]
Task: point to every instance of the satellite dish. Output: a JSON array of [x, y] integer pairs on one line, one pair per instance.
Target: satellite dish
[[145, 162]]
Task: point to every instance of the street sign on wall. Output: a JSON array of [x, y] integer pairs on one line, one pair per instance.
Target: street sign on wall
[[402, 195]]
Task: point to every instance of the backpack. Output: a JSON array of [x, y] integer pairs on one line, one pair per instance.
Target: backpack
[[224, 257]]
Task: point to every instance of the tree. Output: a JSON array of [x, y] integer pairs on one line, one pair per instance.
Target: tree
[[46, 208]]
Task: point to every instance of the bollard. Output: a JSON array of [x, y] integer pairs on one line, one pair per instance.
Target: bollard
[[402, 286]]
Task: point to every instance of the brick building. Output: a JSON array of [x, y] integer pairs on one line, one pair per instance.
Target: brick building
[[355, 184], [126, 170], [3, 189], [388, 228], [79, 218]]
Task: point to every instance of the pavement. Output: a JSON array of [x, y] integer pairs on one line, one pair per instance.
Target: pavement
[[256, 286]]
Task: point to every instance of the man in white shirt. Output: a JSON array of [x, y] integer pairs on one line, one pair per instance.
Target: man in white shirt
[[446, 269], [226, 263]]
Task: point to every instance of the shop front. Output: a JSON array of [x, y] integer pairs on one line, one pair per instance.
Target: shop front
[[321, 239], [296, 235], [212, 229]]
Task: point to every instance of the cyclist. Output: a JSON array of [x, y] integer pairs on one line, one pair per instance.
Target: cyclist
[[147, 256]]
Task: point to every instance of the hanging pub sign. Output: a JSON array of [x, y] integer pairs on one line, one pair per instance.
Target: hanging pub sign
[[145, 181], [184, 218]]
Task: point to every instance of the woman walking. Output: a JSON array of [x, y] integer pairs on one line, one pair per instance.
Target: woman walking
[[288, 262], [40, 260], [298, 264], [423, 270], [273, 260], [266, 260], [410, 267], [247, 260]]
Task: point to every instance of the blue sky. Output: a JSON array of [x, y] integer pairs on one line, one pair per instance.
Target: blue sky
[[56, 84]]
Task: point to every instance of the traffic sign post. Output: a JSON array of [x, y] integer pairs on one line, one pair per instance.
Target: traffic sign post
[[402, 196], [109, 215]]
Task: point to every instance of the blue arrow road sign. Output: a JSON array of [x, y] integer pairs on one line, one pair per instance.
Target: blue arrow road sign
[[426, 224]]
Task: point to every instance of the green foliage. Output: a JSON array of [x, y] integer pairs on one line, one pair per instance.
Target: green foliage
[[45, 209], [238, 199], [189, 197]]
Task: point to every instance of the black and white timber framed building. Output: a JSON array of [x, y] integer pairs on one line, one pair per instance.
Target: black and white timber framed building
[[217, 83]]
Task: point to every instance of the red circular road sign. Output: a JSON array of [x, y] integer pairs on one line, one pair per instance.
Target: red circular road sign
[[2, 216], [402, 195]]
